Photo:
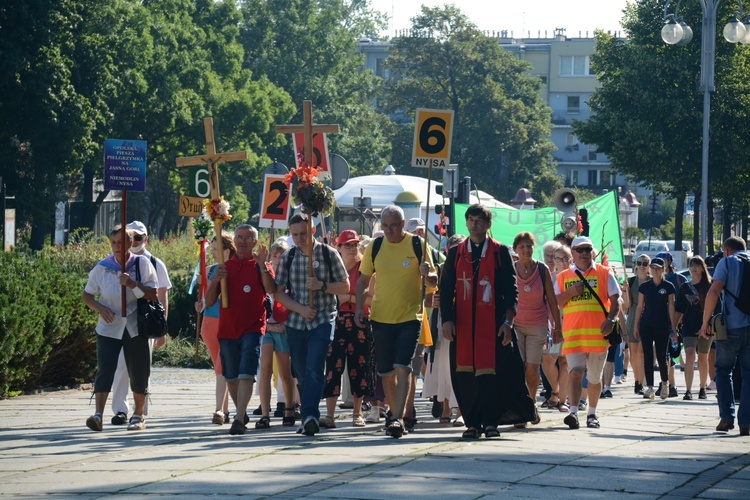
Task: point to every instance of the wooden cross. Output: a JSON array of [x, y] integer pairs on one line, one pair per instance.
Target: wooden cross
[[212, 159], [467, 283], [308, 129]]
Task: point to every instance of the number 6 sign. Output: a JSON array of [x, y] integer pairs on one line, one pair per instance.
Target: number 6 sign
[[275, 202], [433, 129]]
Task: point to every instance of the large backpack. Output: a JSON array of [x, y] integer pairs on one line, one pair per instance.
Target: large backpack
[[742, 302]]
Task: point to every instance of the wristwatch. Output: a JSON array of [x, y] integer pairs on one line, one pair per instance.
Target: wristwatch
[[611, 320], [509, 323], [324, 287]]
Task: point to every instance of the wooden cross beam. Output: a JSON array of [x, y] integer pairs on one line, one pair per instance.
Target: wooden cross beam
[[212, 159], [308, 129]]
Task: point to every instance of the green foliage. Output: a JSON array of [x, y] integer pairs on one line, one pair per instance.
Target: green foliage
[[635, 232], [501, 126], [45, 329], [181, 352]]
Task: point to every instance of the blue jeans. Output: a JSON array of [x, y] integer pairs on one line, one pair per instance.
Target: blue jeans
[[735, 349], [309, 349]]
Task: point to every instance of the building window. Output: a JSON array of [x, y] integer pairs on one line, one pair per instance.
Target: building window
[[573, 180], [606, 178], [380, 68], [575, 66], [593, 177], [592, 154], [574, 104]]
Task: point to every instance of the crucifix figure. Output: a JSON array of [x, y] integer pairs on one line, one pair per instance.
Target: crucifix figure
[[212, 159], [308, 129], [467, 283]]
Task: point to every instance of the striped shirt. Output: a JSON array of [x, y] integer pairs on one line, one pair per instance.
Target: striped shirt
[[324, 302]]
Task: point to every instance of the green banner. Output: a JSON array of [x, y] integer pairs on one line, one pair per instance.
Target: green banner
[[544, 224]]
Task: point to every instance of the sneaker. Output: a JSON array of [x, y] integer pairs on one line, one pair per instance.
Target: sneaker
[[258, 410], [711, 386], [702, 394], [664, 393], [94, 422], [592, 422], [327, 422], [218, 418], [237, 428], [120, 419], [607, 394], [618, 380], [137, 423], [311, 427], [673, 391], [572, 421], [279, 411], [688, 396], [649, 393], [374, 416]]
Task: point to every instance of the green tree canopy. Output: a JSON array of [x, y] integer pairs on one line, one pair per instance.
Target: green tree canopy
[[501, 134]]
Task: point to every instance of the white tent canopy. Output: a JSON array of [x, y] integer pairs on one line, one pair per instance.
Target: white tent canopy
[[383, 189]]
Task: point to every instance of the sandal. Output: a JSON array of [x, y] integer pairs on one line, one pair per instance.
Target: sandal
[[491, 431], [263, 423], [409, 423], [357, 420], [537, 418], [459, 422], [137, 423], [445, 420], [395, 429], [288, 420], [327, 422], [470, 433], [563, 406]]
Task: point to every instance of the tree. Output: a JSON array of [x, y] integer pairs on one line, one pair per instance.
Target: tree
[[501, 125], [308, 48], [647, 114]]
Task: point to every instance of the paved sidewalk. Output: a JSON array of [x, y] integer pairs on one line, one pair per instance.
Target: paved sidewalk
[[644, 449]]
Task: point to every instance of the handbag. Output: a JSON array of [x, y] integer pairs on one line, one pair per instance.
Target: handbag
[[718, 327], [151, 315], [615, 336]]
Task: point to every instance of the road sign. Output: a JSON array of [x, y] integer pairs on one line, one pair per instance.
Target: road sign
[[275, 203], [191, 206], [433, 130]]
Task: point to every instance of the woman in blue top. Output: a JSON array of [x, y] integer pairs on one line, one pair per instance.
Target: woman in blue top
[[210, 330]]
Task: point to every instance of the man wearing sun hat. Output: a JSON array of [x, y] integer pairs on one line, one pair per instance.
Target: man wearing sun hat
[[120, 405], [584, 328]]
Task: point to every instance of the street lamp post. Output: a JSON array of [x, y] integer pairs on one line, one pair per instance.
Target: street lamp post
[[677, 32]]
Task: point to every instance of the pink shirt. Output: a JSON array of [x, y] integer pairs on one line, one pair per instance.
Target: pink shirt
[[532, 308]]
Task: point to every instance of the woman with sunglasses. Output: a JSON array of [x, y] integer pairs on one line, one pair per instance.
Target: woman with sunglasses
[[555, 366], [653, 325], [690, 301], [630, 297]]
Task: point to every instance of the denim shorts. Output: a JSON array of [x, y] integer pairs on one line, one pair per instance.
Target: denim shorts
[[239, 357], [395, 344], [277, 339]]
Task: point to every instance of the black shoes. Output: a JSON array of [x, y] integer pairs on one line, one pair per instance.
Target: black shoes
[[572, 421], [279, 411], [725, 425], [237, 428], [120, 419]]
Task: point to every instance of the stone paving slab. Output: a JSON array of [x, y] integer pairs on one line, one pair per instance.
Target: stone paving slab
[[645, 449]]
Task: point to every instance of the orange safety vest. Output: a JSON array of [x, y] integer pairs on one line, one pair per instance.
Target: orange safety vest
[[583, 314]]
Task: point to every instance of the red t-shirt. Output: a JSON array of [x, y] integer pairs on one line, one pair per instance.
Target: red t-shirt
[[246, 312]]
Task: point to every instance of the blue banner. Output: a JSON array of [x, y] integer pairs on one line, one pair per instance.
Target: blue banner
[[124, 165]]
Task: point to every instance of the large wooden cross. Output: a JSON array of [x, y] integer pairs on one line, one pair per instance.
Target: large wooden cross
[[308, 129], [212, 159]]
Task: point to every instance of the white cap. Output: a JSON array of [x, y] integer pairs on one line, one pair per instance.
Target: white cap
[[139, 227], [579, 241], [414, 224]]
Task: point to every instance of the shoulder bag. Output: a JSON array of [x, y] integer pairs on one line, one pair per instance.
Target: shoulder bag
[[151, 319]]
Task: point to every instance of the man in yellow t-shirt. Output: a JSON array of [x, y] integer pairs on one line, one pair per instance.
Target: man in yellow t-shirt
[[396, 311]]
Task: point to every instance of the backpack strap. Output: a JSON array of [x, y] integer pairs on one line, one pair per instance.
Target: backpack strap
[[138, 269], [416, 243], [288, 267], [376, 248]]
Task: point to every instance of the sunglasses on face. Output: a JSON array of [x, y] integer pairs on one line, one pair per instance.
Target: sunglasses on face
[[642, 263], [138, 237], [583, 250]]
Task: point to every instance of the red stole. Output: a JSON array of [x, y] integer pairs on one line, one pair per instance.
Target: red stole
[[476, 326]]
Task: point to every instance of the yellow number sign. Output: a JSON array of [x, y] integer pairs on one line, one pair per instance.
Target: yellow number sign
[[433, 129]]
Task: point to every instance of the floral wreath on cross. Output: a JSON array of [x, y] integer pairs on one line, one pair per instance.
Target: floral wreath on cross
[[311, 195], [203, 227], [216, 210]]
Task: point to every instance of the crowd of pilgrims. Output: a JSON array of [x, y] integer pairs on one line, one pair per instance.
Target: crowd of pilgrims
[[529, 368]]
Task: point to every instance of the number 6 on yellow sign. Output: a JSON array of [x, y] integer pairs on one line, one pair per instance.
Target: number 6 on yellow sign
[[433, 130]]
